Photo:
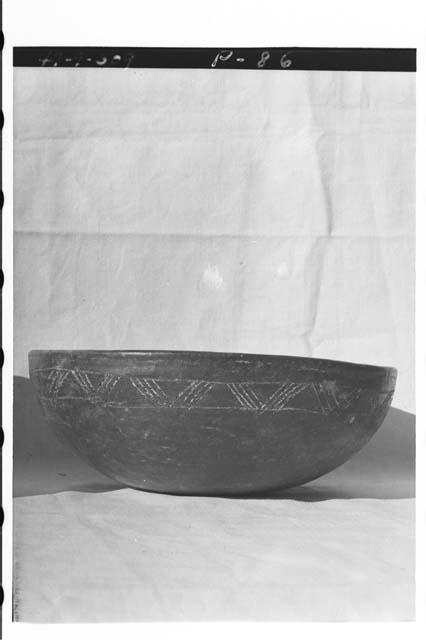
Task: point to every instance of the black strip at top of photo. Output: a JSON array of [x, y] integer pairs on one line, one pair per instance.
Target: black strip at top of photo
[[272, 58]]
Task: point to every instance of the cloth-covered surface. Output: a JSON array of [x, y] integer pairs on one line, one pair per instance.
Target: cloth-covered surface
[[129, 556], [249, 211]]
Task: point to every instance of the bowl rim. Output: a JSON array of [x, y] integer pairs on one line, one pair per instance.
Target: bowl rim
[[308, 360]]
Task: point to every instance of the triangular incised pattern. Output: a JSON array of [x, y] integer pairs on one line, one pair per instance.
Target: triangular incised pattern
[[143, 391]]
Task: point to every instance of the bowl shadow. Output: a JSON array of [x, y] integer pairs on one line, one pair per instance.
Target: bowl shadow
[[42, 464]]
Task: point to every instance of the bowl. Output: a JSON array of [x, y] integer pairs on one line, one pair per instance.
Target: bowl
[[202, 423]]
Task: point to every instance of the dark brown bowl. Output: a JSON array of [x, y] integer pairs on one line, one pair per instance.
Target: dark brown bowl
[[211, 423]]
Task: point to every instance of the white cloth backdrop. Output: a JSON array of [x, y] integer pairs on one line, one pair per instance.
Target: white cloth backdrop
[[268, 212], [250, 211]]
